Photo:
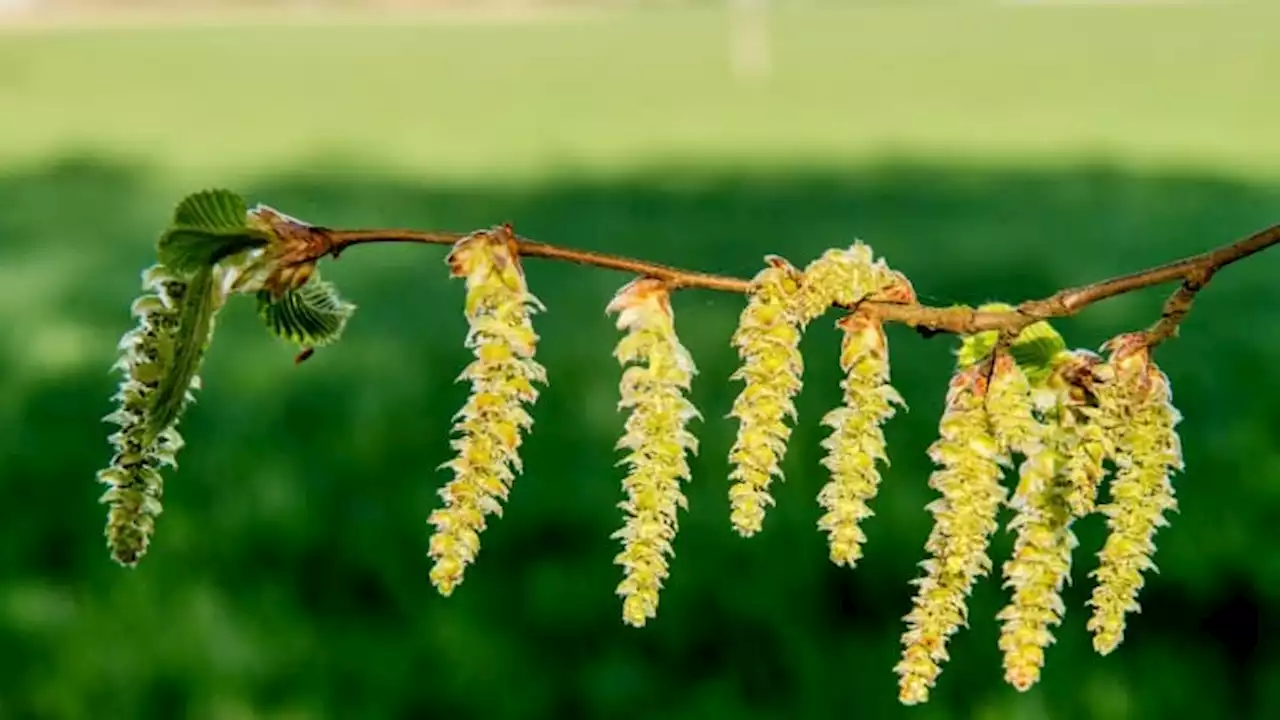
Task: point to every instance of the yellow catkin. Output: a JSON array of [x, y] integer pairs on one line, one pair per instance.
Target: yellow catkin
[[768, 341], [968, 479], [846, 276], [653, 387], [1088, 420], [856, 443], [489, 425], [1041, 561], [782, 302], [1147, 452]]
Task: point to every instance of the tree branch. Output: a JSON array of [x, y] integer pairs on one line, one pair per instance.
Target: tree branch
[[1194, 273]]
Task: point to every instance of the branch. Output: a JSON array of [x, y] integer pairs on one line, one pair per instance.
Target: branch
[[1194, 273]]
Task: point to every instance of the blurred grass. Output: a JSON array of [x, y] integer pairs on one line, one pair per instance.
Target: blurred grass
[[1156, 86], [288, 579]]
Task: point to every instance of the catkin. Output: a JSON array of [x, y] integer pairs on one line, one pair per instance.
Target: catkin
[[1147, 452], [783, 301], [968, 479], [857, 442], [489, 426], [768, 341], [1041, 561], [134, 480], [653, 387]]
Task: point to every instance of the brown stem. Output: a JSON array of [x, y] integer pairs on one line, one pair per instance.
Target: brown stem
[[1194, 273]]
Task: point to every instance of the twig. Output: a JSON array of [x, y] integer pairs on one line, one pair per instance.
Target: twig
[[1194, 273]]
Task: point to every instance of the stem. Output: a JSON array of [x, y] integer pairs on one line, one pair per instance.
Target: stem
[[1194, 273]]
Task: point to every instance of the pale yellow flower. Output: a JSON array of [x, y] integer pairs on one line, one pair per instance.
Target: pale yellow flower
[[1089, 419], [847, 276], [1040, 566], [653, 387], [1041, 561], [1147, 452], [968, 479], [1009, 407], [489, 426], [782, 302], [857, 442], [768, 341]]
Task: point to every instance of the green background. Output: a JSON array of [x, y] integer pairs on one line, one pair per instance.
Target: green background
[[990, 153]]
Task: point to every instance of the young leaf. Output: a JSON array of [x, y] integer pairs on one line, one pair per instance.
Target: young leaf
[[207, 227], [310, 316], [1035, 349], [195, 325]]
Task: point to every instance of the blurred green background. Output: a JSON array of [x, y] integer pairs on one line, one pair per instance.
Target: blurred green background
[[988, 151]]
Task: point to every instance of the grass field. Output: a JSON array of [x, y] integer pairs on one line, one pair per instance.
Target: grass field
[[1152, 86], [987, 153]]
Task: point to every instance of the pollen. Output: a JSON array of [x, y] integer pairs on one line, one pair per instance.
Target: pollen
[[488, 429], [658, 372]]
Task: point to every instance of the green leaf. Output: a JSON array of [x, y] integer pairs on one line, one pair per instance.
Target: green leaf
[[1036, 348], [195, 326], [310, 316], [207, 227]]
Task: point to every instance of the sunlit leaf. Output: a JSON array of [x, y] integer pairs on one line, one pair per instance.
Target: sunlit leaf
[[195, 325], [207, 227], [1035, 348]]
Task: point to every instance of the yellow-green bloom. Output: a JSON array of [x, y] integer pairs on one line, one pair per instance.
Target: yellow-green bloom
[[135, 485], [1038, 569], [489, 426], [968, 479], [768, 341], [1147, 452], [1041, 561], [1009, 407], [847, 276], [653, 387], [1088, 418], [857, 442], [782, 302]]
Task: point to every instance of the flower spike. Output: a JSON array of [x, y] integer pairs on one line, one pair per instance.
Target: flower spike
[[968, 477], [1041, 561], [489, 426], [653, 387], [768, 341], [856, 443], [1147, 453]]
